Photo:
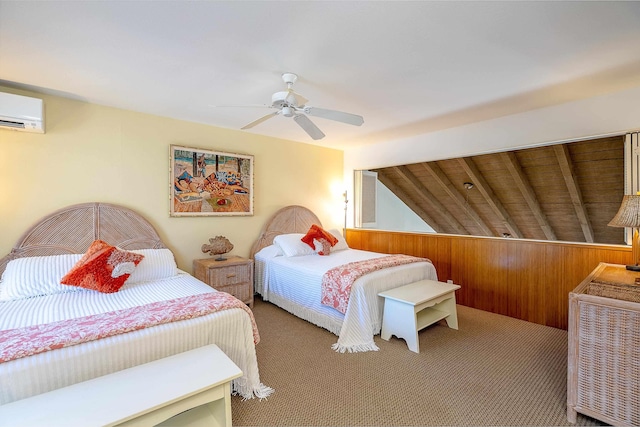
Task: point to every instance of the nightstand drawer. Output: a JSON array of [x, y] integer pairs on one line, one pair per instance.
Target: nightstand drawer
[[242, 291], [231, 275]]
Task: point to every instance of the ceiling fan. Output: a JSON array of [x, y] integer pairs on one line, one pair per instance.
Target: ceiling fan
[[288, 103]]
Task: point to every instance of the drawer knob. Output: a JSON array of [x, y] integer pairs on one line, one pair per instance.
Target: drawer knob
[[231, 275]]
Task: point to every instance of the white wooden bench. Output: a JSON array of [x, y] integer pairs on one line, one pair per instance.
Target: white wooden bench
[[412, 307], [144, 395]]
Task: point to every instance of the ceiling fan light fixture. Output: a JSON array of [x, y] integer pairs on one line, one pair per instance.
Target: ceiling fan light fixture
[[279, 99], [287, 111]]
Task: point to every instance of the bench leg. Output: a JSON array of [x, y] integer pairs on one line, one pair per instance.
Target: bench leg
[[411, 336], [399, 319], [219, 411], [216, 412], [449, 306]]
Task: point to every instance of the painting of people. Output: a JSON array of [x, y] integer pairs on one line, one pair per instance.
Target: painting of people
[[207, 182]]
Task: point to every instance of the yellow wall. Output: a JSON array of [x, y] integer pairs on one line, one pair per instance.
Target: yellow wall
[[95, 153]]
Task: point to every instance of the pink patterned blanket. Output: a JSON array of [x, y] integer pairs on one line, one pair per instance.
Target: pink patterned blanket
[[30, 340], [337, 282]]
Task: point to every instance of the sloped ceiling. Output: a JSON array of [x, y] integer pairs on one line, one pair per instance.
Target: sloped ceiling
[[567, 192]]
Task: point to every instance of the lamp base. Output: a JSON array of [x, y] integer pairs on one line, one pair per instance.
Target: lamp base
[[633, 267]]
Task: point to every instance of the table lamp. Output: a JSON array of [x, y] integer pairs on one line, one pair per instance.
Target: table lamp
[[629, 216]]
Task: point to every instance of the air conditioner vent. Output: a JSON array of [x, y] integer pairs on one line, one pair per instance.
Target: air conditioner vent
[[9, 124], [21, 113]]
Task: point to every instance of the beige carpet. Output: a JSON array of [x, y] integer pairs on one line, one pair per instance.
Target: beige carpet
[[493, 371]]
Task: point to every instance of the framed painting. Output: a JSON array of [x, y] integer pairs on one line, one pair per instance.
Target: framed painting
[[210, 183]]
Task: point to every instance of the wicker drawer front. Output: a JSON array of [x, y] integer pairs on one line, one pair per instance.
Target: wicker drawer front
[[243, 291], [231, 275], [608, 368]]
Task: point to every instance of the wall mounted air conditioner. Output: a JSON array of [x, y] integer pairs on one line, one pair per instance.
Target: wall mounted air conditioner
[[23, 113]]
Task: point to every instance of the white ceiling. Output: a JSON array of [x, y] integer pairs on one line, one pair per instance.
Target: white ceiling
[[407, 67]]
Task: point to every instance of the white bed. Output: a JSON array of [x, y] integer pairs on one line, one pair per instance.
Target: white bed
[[71, 231], [294, 282]]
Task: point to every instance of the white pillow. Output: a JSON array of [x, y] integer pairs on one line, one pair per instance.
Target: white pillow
[[38, 275], [268, 252], [291, 245], [342, 244], [157, 264]]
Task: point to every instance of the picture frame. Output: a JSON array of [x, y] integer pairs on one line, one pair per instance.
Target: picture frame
[[209, 183]]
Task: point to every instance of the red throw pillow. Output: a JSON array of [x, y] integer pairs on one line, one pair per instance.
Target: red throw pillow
[[103, 268], [317, 232]]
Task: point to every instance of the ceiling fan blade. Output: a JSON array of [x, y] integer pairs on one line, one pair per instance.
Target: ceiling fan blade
[[260, 120], [308, 126], [295, 98], [339, 116]]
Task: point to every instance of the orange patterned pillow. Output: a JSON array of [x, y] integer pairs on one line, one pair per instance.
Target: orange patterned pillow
[[326, 247], [103, 268], [317, 232]]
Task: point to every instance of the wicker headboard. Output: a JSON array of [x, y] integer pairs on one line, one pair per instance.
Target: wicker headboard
[[72, 230], [290, 219]]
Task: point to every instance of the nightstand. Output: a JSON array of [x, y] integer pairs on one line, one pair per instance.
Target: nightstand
[[233, 275]]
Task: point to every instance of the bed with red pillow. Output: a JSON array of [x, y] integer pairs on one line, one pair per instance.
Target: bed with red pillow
[[91, 289], [295, 260]]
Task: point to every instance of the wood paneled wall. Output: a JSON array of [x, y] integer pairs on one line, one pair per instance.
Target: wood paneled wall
[[525, 279]]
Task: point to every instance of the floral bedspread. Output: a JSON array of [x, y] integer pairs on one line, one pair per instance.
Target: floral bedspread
[[337, 282], [30, 340]]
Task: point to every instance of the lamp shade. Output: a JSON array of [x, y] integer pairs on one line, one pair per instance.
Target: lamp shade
[[629, 213]]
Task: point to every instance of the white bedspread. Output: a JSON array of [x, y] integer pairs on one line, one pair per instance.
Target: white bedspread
[[294, 283], [230, 329]]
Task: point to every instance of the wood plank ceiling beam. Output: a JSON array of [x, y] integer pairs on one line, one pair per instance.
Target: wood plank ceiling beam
[[566, 166], [522, 182], [443, 181], [422, 192], [399, 192], [485, 189]]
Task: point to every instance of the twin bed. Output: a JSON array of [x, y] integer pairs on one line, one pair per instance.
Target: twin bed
[[31, 295], [289, 275], [286, 274]]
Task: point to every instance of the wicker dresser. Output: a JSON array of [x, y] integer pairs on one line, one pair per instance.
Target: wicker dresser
[[604, 347]]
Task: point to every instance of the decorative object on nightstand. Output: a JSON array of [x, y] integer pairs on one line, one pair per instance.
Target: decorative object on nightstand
[[233, 275], [219, 245], [629, 216]]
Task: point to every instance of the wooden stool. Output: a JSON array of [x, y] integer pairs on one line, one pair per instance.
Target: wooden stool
[[413, 307]]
